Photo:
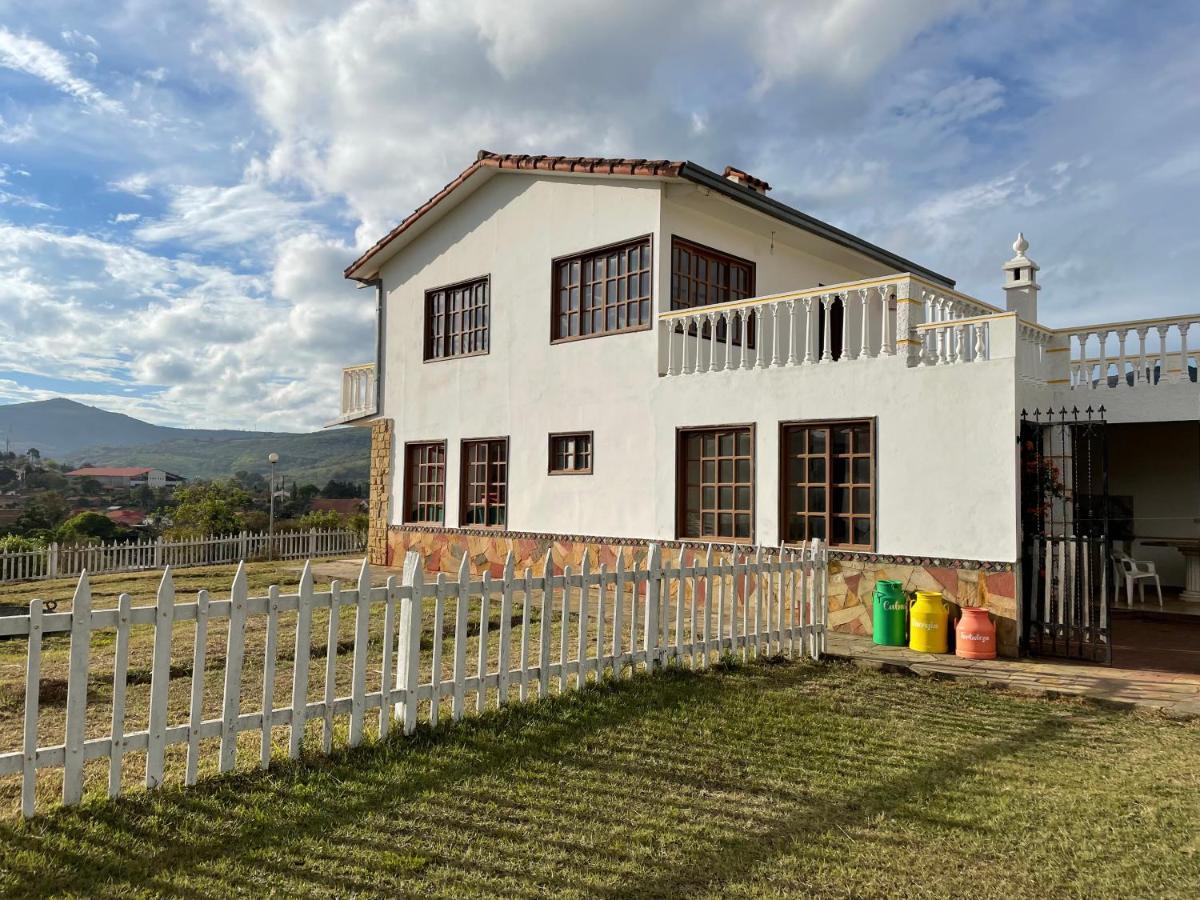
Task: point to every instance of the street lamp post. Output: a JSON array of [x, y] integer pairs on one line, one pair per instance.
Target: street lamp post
[[272, 459]]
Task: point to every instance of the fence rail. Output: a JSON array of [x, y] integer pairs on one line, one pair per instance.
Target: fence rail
[[69, 561], [625, 618]]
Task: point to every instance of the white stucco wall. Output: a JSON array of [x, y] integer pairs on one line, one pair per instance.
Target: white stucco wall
[[946, 453]]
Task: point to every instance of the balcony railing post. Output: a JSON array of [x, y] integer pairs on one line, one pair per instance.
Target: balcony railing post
[[910, 312]]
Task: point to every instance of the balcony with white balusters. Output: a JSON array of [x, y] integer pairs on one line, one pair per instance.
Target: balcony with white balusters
[[358, 392], [900, 318]]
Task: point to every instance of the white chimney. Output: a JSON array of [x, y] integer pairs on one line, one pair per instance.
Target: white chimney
[[1020, 282]]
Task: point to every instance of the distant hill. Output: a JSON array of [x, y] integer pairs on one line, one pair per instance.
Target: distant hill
[[60, 427], [73, 433]]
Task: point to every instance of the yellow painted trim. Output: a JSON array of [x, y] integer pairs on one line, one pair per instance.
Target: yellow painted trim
[[1058, 349], [1059, 381]]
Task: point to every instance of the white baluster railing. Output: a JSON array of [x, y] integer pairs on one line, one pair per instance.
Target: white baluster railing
[[358, 391]]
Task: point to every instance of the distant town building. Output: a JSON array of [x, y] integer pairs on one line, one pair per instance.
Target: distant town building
[[131, 518], [346, 506], [114, 479]]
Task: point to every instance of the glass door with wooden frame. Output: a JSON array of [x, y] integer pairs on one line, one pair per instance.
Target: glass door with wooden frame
[[827, 483]]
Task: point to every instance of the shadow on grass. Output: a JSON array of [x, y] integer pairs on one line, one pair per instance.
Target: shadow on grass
[[622, 789]]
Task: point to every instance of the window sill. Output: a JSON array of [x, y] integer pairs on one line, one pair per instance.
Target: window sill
[[600, 334]]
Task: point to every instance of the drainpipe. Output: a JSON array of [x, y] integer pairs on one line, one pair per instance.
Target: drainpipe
[[378, 285]]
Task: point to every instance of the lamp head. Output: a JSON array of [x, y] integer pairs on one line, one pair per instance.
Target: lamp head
[[273, 458]]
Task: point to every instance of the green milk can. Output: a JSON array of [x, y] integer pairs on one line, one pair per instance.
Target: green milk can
[[891, 614]]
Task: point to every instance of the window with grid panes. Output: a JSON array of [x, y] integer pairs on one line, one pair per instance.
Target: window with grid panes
[[828, 483], [715, 483], [571, 454], [457, 319], [425, 482], [602, 291], [701, 276], [484, 487]]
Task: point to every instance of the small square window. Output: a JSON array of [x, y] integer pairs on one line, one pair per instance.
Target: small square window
[[571, 453]]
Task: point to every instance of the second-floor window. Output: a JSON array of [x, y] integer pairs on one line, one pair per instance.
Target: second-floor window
[[602, 291], [458, 319], [701, 276]]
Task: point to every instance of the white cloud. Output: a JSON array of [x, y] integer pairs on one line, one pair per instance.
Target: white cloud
[[31, 56], [16, 132], [122, 218]]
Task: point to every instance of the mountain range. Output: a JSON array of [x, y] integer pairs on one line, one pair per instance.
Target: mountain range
[[75, 433]]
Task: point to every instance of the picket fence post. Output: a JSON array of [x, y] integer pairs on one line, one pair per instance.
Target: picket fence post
[[359, 667], [234, 650], [408, 660], [160, 675], [77, 679], [52, 560], [158, 552], [653, 598]]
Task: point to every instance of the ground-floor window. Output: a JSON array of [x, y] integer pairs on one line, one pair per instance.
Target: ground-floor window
[[425, 482], [715, 483], [571, 454], [827, 482], [484, 488]]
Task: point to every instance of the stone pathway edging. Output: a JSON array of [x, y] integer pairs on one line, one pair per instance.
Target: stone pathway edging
[[1174, 695]]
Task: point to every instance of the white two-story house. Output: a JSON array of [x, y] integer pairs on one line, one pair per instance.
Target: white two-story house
[[596, 353]]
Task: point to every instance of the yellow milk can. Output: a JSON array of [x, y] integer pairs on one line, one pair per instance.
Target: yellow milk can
[[928, 623]]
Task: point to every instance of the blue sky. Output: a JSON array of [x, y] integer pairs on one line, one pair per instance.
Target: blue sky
[[181, 184]]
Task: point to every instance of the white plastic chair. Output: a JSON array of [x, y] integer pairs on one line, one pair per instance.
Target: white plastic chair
[[1140, 571]]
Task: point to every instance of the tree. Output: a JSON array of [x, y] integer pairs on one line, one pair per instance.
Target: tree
[[87, 527], [339, 489], [43, 512], [33, 453], [320, 518], [89, 486], [7, 476], [212, 508]]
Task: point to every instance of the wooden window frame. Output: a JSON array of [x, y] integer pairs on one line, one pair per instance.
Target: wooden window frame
[[681, 435], [427, 339], [464, 474], [873, 517], [714, 255], [408, 484], [582, 255], [591, 453]]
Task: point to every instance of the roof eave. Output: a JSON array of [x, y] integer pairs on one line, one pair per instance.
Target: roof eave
[[784, 213]]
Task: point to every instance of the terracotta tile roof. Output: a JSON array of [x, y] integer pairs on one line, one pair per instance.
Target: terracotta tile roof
[[742, 187], [125, 516], [589, 165], [343, 506], [94, 471]]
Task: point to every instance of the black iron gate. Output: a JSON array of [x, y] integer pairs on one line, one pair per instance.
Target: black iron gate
[[1066, 538]]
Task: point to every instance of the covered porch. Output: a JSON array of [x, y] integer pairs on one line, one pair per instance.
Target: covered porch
[[1154, 505]]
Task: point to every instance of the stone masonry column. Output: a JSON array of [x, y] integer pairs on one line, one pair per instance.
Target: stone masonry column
[[381, 491]]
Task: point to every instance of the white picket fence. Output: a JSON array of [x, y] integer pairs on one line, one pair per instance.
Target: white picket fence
[[70, 561], [625, 619]]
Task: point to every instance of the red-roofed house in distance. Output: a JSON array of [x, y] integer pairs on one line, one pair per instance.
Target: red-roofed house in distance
[[130, 518], [343, 506], [124, 478]]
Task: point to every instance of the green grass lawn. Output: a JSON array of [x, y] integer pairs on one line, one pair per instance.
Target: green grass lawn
[[764, 780]]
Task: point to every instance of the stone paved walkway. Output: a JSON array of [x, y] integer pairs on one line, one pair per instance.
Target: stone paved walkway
[[1176, 695]]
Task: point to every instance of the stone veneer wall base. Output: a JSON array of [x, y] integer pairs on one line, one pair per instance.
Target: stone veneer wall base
[[380, 492]]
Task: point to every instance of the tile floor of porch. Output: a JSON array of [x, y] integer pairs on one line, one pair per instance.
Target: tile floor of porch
[[1174, 694]]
